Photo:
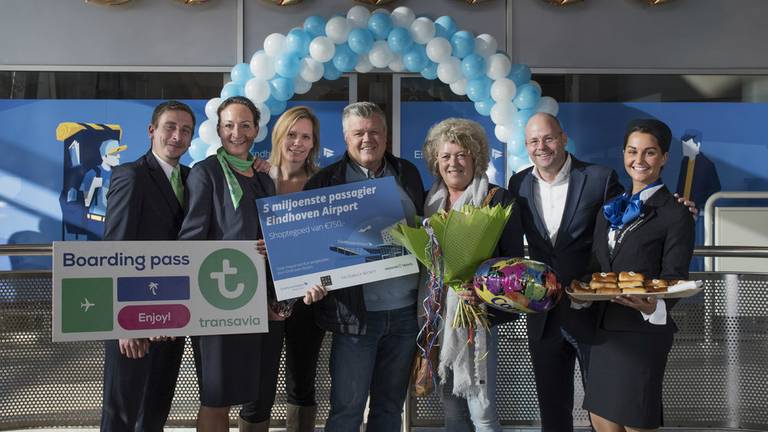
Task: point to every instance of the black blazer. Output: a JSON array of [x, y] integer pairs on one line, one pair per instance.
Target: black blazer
[[210, 212], [659, 244], [141, 204], [588, 188]]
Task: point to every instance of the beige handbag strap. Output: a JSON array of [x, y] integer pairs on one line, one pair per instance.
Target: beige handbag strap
[[489, 197]]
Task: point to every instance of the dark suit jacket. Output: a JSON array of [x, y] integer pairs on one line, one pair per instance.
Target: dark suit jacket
[[141, 204], [210, 212], [588, 188], [659, 244]]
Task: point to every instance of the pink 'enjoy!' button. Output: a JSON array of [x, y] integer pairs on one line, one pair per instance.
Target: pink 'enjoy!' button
[[145, 317]]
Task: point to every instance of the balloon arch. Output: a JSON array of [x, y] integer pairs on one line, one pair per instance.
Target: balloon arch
[[363, 40]]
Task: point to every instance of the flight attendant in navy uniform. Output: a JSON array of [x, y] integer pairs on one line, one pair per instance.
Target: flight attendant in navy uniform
[[646, 231]]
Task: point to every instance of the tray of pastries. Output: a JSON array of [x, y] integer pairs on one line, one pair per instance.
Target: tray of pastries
[[605, 286]]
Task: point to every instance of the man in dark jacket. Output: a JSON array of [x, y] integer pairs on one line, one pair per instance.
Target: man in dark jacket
[[374, 325], [144, 202]]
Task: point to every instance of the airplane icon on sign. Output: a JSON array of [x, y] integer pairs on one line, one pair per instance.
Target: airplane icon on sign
[[86, 305]]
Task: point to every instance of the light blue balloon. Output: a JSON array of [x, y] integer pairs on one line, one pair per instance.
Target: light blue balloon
[[399, 40], [344, 59], [483, 107], [473, 66], [281, 88], [520, 74], [360, 40], [275, 106], [297, 42], [197, 149], [232, 89], [522, 117], [380, 24], [430, 70], [287, 65], [241, 73], [445, 27], [415, 59], [462, 44], [479, 89], [527, 97], [315, 26], [330, 72]]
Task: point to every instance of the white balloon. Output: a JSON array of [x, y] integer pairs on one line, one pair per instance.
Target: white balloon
[[422, 30], [503, 90], [257, 90], [486, 45], [358, 16], [501, 132], [213, 148], [311, 70], [380, 54], [498, 66], [262, 134], [211, 106], [337, 29], [449, 71], [459, 87], [546, 104], [208, 131], [274, 44], [264, 114], [322, 49], [363, 64], [503, 113], [439, 49], [396, 65], [403, 16], [262, 66], [300, 86]]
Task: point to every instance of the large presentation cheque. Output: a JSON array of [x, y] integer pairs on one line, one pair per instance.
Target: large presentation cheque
[[136, 289], [336, 236]]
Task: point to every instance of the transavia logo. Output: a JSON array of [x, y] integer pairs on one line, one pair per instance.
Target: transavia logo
[[328, 152], [495, 154], [228, 279]]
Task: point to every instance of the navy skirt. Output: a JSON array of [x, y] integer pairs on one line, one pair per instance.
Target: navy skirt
[[626, 377]]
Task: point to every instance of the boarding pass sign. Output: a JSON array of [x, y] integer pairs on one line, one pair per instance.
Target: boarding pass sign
[[137, 289]]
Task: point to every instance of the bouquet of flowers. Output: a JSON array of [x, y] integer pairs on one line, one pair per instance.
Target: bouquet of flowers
[[451, 245]]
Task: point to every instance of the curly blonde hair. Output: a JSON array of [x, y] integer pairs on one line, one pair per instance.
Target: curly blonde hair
[[467, 133], [280, 130]]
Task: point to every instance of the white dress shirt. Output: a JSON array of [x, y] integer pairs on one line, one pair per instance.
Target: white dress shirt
[[550, 198], [167, 168]]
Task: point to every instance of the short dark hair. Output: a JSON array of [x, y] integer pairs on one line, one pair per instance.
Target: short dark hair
[[171, 105], [238, 100]]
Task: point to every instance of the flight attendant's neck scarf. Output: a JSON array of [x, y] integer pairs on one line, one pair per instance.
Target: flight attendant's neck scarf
[[625, 208], [225, 160]]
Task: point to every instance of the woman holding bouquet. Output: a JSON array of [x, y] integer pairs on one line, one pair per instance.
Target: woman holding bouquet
[[457, 155], [646, 231]]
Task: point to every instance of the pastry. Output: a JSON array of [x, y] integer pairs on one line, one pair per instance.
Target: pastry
[[604, 277], [634, 290], [630, 276], [595, 285]]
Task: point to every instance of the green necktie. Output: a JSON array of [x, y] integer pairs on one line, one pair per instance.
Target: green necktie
[[178, 187]]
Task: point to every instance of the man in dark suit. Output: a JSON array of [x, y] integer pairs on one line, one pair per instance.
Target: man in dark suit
[[559, 197], [145, 202]]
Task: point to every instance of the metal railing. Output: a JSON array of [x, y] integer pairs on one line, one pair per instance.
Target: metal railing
[[715, 376]]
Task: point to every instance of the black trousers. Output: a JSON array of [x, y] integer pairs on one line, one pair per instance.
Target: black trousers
[[554, 357], [303, 340], [138, 392]]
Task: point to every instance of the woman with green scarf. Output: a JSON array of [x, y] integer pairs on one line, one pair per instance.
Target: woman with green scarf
[[221, 205]]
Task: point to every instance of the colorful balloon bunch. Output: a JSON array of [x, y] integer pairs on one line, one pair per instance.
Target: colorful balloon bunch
[[363, 40]]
